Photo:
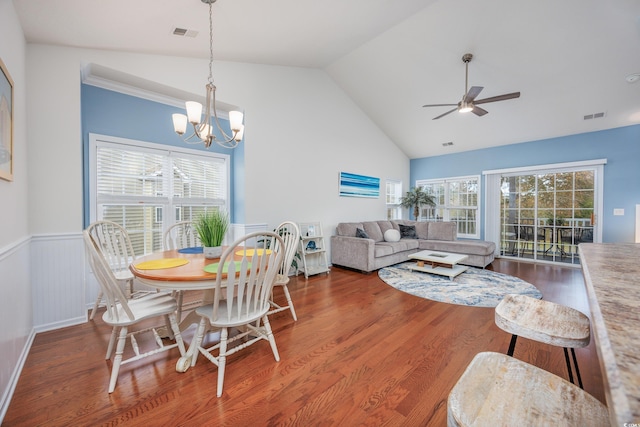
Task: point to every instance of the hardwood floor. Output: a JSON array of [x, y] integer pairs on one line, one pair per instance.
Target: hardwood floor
[[361, 354]]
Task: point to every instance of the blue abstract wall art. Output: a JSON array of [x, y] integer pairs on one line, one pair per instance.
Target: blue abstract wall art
[[352, 185]]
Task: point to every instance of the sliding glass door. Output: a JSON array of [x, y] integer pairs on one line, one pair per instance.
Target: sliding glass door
[[544, 215]]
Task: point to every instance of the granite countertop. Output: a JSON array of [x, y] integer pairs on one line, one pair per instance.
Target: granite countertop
[[612, 278]]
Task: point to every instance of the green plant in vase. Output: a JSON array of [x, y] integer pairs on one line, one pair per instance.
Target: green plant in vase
[[211, 228]]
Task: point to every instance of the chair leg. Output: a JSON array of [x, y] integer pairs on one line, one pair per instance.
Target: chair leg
[[566, 358], [112, 341], [222, 359], [290, 302], [122, 339], [575, 364], [512, 345], [179, 298], [197, 341], [272, 340], [177, 335], [95, 305]]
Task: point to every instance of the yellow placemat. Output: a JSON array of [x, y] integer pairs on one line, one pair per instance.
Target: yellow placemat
[[250, 252], [159, 264], [213, 268]]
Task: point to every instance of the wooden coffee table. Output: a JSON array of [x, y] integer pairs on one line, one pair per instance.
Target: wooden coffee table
[[442, 263]]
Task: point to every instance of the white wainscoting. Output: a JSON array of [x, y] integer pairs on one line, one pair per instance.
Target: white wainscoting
[[16, 334], [58, 281], [63, 288]]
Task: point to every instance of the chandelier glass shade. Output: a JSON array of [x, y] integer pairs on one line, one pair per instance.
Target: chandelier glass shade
[[204, 123]]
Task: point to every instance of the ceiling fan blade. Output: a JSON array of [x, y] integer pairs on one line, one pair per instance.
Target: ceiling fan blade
[[440, 105], [444, 114], [498, 98], [473, 92], [479, 111]]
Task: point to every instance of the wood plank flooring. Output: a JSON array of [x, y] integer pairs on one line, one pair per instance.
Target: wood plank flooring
[[361, 354]]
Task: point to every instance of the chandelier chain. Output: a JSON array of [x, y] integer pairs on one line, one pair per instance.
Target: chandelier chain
[[211, 42], [204, 122]]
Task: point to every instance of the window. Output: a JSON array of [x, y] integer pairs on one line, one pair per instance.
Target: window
[[394, 194], [456, 200], [138, 185], [543, 212]]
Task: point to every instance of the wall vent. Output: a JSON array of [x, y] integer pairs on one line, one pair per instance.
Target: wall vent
[[594, 116], [183, 32]]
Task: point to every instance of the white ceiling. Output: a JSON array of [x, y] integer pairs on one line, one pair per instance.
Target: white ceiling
[[568, 58]]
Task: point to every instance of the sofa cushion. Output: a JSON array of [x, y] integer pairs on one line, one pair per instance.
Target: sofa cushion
[[392, 235], [401, 246], [422, 230], [408, 231], [443, 231], [348, 228], [468, 247], [361, 233], [373, 230], [422, 227], [385, 225]]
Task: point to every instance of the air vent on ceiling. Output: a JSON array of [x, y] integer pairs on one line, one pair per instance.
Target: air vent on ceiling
[[184, 32], [447, 144], [594, 116]]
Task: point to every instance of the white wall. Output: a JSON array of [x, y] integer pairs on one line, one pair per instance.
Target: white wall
[[15, 290], [301, 131]]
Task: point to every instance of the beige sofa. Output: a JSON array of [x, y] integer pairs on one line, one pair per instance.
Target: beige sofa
[[372, 251]]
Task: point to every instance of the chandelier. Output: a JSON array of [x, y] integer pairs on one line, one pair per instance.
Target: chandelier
[[203, 124]]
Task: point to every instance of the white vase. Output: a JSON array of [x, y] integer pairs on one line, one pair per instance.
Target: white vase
[[212, 252]]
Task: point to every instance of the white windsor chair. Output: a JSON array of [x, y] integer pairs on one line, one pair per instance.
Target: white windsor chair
[[244, 281], [112, 240], [290, 234], [179, 236], [121, 313]]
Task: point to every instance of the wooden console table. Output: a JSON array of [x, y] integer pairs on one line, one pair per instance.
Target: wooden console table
[[612, 278]]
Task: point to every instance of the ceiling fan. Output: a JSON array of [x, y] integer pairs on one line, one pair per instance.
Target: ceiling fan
[[469, 102]]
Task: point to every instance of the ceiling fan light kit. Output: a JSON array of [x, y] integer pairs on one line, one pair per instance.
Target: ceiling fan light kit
[[469, 102]]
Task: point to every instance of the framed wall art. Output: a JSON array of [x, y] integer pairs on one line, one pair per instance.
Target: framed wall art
[[6, 124], [352, 185]]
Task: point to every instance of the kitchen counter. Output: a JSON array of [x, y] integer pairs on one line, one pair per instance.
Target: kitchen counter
[[612, 278]]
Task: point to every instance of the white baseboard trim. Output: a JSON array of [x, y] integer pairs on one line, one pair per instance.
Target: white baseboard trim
[[62, 324], [13, 381]]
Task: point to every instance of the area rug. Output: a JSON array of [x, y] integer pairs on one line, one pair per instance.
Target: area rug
[[475, 287]]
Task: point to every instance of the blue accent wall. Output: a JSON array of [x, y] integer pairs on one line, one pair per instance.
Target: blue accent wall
[[620, 146], [112, 113]]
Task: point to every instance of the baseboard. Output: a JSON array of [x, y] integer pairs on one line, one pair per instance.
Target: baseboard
[[62, 324], [15, 376]]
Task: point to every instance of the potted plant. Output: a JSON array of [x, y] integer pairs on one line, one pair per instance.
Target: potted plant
[[211, 228], [416, 197]]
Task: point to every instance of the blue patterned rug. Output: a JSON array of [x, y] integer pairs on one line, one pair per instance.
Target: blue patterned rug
[[474, 287]]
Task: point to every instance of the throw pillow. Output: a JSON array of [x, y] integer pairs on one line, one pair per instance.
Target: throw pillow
[[361, 233], [408, 231], [392, 235]]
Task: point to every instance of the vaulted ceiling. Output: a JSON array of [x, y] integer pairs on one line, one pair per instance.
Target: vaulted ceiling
[[569, 59]]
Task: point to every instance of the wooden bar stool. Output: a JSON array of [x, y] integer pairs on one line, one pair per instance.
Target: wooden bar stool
[[496, 389], [545, 322]]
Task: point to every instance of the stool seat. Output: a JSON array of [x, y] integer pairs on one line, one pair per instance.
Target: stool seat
[[543, 321], [496, 389]]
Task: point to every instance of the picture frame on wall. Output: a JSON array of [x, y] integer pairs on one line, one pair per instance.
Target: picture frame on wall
[[354, 185], [6, 123]]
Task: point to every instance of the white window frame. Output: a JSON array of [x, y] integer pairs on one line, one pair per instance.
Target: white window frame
[[493, 194], [445, 182], [167, 202], [394, 210]]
